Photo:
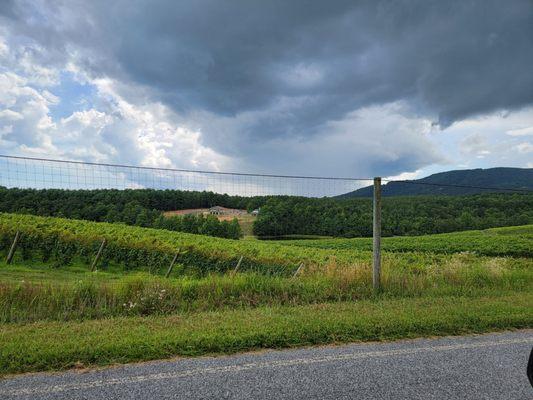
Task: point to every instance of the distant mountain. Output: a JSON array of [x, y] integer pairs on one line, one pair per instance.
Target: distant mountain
[[506, 178]]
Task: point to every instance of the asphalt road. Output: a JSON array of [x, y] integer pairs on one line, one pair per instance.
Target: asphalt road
[[471, 367]]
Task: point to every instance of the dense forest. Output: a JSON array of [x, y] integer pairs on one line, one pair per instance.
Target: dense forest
[[202, 225], [400, 216], [96, 204], [141, 207], [279, 215]]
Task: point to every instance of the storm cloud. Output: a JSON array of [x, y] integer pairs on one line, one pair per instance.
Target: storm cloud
[[299, 76]]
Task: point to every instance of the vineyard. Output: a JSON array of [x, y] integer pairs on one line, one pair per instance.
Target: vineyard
[[459, 276], [510, 241], [63, 241]]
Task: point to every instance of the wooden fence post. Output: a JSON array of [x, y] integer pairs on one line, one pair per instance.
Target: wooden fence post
[[169, 271], [98, 255], [13, 248], [376, 242], [237, 266], [298, 270]]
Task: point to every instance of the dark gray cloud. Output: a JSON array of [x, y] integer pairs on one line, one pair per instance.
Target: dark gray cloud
[[457, 58], [245, 72]]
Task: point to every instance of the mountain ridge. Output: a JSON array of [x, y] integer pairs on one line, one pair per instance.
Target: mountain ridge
[[468, 181]]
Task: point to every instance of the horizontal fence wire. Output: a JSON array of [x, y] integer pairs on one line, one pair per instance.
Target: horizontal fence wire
[[156, 257], [41, 173], [45, 173], [491, 188]]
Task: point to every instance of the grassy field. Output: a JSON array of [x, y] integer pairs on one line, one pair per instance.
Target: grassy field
[[55, 313]]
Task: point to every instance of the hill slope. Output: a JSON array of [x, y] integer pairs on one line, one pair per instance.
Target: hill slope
[[512, 178]]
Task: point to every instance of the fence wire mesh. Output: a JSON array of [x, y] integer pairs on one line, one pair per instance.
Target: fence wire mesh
[[39, 173], [49, 275]]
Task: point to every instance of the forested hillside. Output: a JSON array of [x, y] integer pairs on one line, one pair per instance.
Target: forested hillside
[[141, 207], [279, 215], [415, 215], [468, 181], [113, 205]]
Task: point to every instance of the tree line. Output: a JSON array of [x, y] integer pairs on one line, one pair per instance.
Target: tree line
[[140, 207], [415, 215], [279, 215], [200, 224]]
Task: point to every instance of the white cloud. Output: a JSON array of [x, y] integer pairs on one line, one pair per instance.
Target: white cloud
[[23, 61], [475, 145], [484, 141], [24, 114], [10, 115], [4, 49], [521, 131], [369, 141], [405, 176], [112, 129], [525, 147]]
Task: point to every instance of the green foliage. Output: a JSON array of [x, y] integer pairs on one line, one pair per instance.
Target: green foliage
[[512, 241], [106, 317], [58, 345], [140, 207], [102, 204], [335, 269], [279, 215], [82, 295], [62, 240], [200, 224], [400, 216]]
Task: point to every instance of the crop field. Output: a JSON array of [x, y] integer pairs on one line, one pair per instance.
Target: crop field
[[508, 241], [55, 313]]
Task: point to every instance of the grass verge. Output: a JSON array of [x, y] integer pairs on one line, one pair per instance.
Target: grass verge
[[45, 346], [33, 293]]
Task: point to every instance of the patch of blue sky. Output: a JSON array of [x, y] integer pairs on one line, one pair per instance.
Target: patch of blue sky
[[73, 96]]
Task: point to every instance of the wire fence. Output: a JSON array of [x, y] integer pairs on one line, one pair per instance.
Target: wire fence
[[160, 253], [40, 173], [44, 173]]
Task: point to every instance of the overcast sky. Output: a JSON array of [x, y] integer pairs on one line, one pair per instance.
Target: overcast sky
[[350, 88]]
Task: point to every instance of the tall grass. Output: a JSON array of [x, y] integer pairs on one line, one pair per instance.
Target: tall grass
[[52, 345], [144, 294]]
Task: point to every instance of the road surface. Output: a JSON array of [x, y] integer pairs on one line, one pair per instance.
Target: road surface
[[489, 366]]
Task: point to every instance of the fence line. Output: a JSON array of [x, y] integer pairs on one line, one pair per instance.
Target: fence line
[[519, 190], [28, 172], [22, 172], [183, 170], [19, 171]]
